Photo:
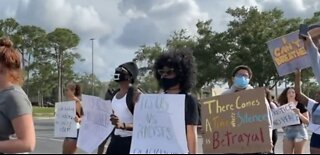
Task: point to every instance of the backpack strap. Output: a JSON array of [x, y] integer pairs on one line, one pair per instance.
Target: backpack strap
[[314, 108], [129, 99]]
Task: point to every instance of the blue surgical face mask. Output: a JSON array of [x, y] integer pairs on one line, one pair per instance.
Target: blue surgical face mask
[[241, 82]]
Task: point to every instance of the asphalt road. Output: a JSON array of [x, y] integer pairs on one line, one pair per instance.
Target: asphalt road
[[47, 144]]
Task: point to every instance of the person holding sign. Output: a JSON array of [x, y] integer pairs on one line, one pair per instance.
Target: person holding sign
[[175, 72], [314, 110], [73, 92], [295, 136], [311, 38], [15, 107], [241, 76], [123, 106]]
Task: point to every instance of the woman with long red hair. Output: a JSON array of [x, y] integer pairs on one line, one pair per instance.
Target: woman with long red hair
[[15, 107]]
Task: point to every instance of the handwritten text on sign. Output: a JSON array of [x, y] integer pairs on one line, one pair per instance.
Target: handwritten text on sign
[[284, 116], [288, 53], [159, 125], [236, 123], [96, 125], [65, 125]]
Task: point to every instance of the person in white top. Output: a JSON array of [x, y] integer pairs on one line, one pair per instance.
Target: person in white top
[[122, 104], [314, 110], [273, 105]]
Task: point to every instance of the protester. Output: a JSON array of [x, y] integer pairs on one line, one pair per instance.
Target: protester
[[15, 107], [312, 45], [295, 136], [123, 106], [273, 105], [241, 76], [312, 106], [175, 72], [73, 93]]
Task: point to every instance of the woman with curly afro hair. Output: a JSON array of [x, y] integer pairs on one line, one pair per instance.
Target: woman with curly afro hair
[[175, 71]]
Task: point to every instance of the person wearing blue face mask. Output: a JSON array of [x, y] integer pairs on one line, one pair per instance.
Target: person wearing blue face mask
[[241, 76]]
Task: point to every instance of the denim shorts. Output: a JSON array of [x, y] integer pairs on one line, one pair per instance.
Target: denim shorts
[[296, 132]]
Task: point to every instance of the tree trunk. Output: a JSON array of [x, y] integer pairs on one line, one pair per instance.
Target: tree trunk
[[39, 101]]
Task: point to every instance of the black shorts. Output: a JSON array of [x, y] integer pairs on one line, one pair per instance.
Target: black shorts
[[315, 141], [119, 145]]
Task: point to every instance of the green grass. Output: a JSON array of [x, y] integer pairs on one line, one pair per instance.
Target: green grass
[[43, 111]]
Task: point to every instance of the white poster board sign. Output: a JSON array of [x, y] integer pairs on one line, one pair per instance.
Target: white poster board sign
[[65, 125], [284, 116], [96, 125], [159, 125]]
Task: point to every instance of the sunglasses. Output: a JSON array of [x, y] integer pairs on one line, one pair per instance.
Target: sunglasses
[[242, 75], [166, 71]]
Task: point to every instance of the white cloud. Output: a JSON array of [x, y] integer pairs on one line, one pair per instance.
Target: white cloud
[[292, 8], [107, 57], [121, 26], [154, 21], [84, 20]]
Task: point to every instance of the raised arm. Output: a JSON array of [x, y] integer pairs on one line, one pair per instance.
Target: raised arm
[[300, 96], [314, 57]]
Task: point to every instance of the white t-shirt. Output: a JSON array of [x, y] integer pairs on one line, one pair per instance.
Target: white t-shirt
[[315, 128], [121, 110]]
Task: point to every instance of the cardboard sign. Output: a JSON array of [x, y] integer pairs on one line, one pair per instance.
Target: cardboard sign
[[236, 123], [65, 125], [159, 125], [96, 125], [288, 53], [284, 116]]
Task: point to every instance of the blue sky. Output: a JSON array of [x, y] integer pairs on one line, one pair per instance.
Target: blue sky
[[121, 26]]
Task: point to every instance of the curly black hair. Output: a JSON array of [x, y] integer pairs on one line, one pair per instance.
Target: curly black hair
[[183, 62], [283, 99]]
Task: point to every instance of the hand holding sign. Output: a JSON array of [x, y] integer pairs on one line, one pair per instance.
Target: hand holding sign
[[116, 122], [303, 31], [296, 110]]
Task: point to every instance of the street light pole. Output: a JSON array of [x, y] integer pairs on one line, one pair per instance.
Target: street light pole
[[92, 76]]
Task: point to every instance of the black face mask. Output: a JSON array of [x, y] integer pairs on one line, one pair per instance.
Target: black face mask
[[168, 83], [119, 76]]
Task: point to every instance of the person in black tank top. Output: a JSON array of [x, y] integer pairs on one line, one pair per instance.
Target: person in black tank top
[[73, 92], [175, 71]]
